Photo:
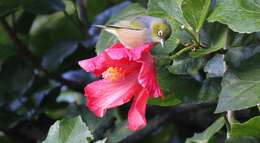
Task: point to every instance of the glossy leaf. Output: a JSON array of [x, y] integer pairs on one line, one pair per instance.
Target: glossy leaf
[[240, 15], [17, 77], [186, 66], [210, 89], [70, 97], [242, 140], [121, 132], [240, 87], [68, 131], [217, 44], [169, 100], [43, 6], [173, 9], [102, 141], [178, 87], [249, 128], [196, 12], [205, 136], [48, 31], [55, 56], [236, 55], [79, 76], [216, 66]]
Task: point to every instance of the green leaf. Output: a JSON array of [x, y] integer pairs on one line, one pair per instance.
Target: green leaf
[[43, 6], [196, 12], [102, 141], [210, 89], [106, 39], [4, 138], [48, 31], [8, 6], [69, 131], [205, 136], [17, 76], [186, 66], [95, 123], [242, 140], [70, 97], [214, 46], [240, 87], [55, 56], [5, 52], [179, 87], [240, 15], [121, 132], [173, 9], [236, 55], [169, 100], [216, 66], [249, 128]]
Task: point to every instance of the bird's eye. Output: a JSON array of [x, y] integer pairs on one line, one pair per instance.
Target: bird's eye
[[160, 33]]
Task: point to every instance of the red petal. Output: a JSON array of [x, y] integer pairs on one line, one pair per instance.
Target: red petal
[[136, 114], [130, 54], [104, 94], [97, 64], [102, 61], [147, 75]]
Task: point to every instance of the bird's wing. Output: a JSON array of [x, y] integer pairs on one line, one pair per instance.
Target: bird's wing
[[132, 38]]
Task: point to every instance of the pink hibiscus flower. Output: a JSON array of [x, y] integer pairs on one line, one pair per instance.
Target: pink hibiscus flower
[[126, 74]]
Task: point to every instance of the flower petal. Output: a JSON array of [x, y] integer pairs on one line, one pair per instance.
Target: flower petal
[[97, 64], [105, 94], [102, 61], [147, 75], [136, 114], [130, 54]]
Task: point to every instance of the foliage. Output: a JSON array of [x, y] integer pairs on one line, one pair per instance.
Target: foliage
[[210, 63]]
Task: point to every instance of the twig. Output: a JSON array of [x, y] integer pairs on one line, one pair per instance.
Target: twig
[[182, 51], [22, 48], [229, 119], [195, 36]]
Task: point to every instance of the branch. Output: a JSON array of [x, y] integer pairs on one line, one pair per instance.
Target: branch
[[24, 50], [164, 117], [182, 51]]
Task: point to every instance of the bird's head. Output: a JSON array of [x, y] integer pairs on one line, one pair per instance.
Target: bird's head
[[161, 31]]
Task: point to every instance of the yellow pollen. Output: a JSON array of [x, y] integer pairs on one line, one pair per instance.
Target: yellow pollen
[[113, 74]]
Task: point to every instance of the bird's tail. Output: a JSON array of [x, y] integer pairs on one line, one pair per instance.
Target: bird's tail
[[100, 26], [109, 29]]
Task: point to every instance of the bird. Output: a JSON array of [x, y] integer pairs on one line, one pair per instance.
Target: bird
[[139, 30]]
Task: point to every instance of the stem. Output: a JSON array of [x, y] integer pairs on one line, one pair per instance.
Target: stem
[[24, 50], [194, 35], [229, 120], [182, 51]]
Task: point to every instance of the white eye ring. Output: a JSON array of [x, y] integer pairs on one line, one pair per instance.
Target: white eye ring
[[160, 33]]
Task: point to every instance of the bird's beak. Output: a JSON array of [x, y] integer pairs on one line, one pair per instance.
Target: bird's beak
[[162, 43]]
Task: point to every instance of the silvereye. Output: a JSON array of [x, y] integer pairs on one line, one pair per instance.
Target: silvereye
[[140, 30]]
